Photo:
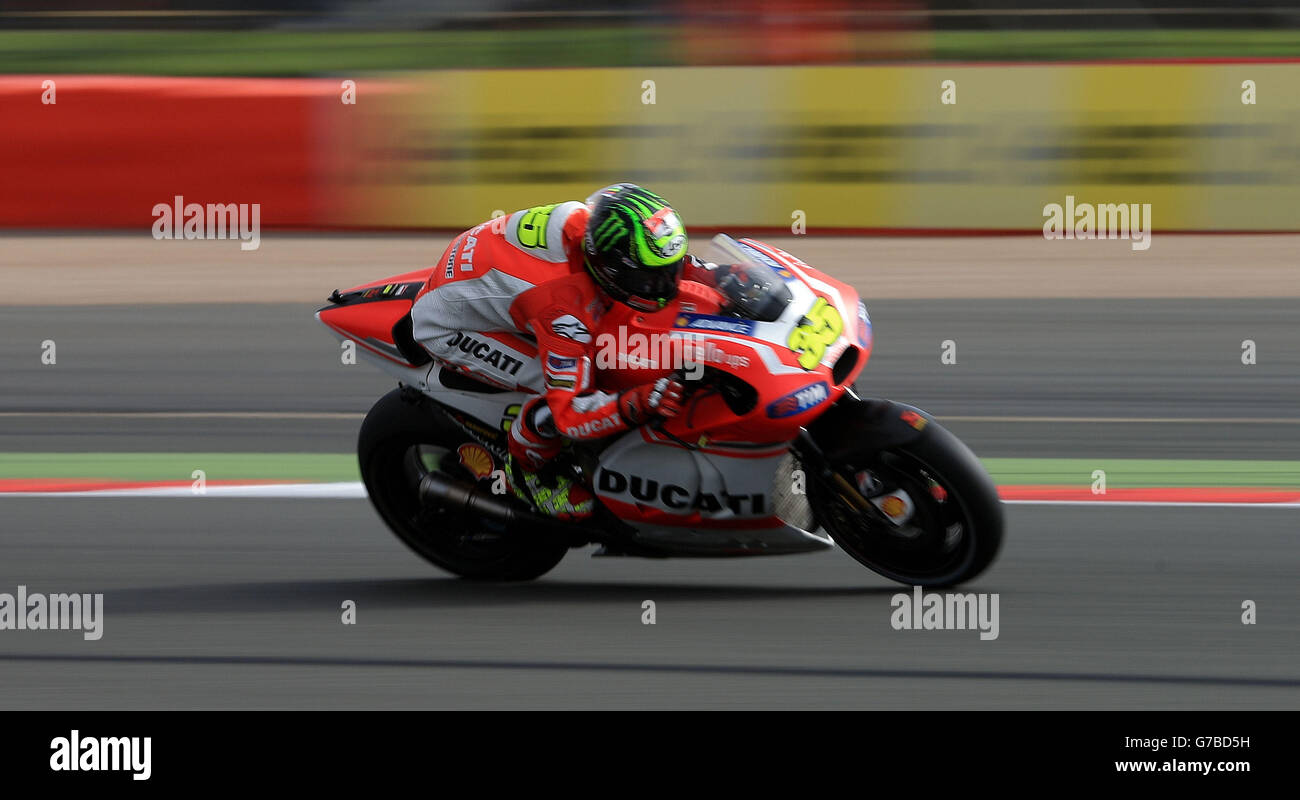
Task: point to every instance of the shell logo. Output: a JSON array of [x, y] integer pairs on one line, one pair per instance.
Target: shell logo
[[893, 506], [476, 459]]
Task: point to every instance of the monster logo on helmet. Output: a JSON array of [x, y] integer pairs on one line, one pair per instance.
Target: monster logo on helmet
[[635, 243]]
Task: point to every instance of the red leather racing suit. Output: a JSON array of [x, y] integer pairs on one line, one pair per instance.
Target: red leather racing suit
[[511, 303]]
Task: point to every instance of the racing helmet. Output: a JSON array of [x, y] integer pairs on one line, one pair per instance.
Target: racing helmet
[[634, 246]]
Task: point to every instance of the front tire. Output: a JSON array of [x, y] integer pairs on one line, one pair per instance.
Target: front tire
[[956, 527], [402, 438]]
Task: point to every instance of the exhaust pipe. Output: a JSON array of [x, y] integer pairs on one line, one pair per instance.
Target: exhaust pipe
[[439, 489]]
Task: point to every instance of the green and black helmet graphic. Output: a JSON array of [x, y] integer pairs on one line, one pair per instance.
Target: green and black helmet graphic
[[635, 244]]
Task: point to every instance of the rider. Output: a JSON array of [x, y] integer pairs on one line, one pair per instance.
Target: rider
[[513, 302]]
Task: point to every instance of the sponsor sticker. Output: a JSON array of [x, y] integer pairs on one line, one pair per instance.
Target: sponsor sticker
[[799, 401], [467, 253], [510, 415], [659, 492], [570, 327], [593, 427], [896, 505], [709, 322], [485, 352], [476, 459], [914, 419]]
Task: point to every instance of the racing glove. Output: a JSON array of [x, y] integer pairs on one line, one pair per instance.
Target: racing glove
[[705, 272], [665, 397]]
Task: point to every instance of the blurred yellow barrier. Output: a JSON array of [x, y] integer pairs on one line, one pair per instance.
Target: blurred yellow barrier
[[843, 147]]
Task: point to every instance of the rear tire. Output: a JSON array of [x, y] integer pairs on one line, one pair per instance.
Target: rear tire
[[949, 541], [389, 450]]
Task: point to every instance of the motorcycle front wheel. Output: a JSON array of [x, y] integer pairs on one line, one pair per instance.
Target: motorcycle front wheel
[[931, 515]]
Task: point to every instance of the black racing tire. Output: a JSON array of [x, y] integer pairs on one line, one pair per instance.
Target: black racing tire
[[400, 423], [934, 556]]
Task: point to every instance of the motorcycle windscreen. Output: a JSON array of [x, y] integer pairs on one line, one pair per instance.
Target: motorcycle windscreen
[[754, 290]]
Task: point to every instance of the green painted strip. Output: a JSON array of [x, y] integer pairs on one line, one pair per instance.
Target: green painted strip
[[1141, 472], [180, 466], [1120, 472]]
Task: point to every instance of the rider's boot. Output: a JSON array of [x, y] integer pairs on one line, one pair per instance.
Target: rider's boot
[[534, 473]]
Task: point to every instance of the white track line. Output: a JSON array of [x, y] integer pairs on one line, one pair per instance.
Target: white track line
[[1164, 503], [354, 490], [188, 414], [327, 491]]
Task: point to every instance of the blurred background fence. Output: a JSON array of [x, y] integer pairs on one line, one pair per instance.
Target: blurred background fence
[[302, 37], [746, 114]]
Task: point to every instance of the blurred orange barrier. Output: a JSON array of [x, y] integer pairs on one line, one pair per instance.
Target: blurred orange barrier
[[109, 148]]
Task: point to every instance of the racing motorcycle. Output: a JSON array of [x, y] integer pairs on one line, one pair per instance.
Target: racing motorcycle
[[774, 453]]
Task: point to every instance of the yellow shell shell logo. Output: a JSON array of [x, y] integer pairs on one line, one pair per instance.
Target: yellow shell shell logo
[[893, 506], [475, 459]]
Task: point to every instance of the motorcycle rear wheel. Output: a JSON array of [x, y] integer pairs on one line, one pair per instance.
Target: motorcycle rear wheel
[[402, 439]]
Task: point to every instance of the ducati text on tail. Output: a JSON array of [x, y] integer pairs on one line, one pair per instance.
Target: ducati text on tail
[[775, 452]]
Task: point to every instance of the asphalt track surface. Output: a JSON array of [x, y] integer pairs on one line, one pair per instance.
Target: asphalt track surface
[[235, 603], [1036, 376]]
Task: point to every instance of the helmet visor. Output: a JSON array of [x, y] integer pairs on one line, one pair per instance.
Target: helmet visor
[[657, 285]]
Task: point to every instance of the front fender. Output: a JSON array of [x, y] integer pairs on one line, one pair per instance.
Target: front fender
[[856, 424]]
